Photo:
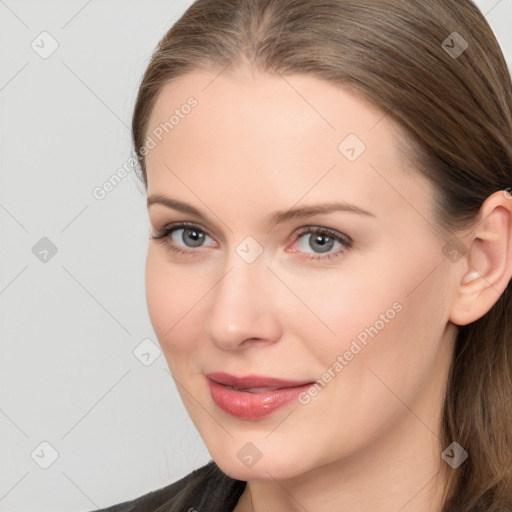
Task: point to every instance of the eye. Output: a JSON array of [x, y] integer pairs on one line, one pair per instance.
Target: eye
[[191, 237], [317, 243], [182, 237], [320, 242]]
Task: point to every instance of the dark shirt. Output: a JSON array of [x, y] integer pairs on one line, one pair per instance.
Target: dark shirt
[[206, 489]]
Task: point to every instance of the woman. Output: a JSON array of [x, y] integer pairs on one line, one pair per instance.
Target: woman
[[330, 256]]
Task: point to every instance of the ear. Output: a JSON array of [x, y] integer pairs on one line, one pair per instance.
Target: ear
[[486, 268]]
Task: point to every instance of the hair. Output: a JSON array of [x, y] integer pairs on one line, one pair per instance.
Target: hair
[[456, 114]]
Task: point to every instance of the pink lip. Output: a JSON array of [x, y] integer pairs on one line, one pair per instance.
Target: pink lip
[[254, 404]]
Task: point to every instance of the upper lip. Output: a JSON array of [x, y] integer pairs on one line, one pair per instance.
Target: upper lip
[[254, 381]]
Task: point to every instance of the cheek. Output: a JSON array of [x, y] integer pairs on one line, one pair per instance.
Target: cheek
[[389, 292], [173, 296], [384, 365], [345, 307], [393, 343], [390, 320]]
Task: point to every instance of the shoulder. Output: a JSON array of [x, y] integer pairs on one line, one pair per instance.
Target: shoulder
[[204, 489]]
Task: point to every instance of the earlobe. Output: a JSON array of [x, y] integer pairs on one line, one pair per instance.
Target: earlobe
[[487, 265]]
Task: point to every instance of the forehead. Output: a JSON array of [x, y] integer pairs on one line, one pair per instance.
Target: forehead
[[265, 105], [274, 134]]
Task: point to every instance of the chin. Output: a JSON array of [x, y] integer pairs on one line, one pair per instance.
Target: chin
[[262, 470], [268, 462]]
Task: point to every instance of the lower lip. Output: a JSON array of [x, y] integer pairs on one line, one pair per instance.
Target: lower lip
[[252, 406]]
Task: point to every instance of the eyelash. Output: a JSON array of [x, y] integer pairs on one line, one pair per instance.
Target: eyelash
[[163, 237]]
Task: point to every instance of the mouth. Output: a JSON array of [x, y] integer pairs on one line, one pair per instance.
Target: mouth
[[253, 397]]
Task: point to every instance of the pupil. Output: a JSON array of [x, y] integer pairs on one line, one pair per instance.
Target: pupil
[[196, 237], [324, 242]]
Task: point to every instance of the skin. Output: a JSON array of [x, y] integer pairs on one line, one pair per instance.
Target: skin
[[369, 440]]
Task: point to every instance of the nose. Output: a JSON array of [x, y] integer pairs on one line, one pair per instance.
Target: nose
[[242, 310]]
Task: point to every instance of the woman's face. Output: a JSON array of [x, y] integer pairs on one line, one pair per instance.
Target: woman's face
[[355, 297]]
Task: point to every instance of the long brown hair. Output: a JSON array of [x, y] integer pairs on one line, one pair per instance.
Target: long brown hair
[[436, 68]]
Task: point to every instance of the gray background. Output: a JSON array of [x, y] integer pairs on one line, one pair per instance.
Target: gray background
[[72, 320]]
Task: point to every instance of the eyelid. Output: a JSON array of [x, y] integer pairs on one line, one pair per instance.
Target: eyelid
[[343, 239], [164, 234], [337, 235], [174, 226]]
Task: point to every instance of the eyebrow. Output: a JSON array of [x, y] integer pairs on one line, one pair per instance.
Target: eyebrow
[[273, 218]]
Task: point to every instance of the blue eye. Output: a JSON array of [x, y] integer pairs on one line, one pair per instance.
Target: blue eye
[[321, 241], [316, 242], [188, 234], [191, 237]]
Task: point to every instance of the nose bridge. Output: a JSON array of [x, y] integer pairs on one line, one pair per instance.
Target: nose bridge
[[238, 283], [246, 271], [241, 303]]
